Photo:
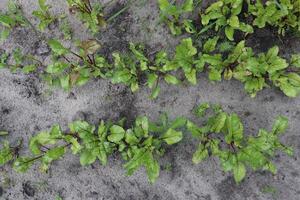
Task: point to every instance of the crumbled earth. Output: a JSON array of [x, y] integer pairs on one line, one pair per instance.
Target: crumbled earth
[[28, 106]]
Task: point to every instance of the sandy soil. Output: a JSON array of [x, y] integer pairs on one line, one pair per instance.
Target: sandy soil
[[27, 106]]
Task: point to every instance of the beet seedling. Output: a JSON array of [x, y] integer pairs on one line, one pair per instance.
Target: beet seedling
[[19, 61], [8, 152], [68, 71], [172, 16], [44, 15], [233, 148], [90, 14]]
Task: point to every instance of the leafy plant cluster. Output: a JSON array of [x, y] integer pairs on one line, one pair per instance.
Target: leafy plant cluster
[[71, 68], [223, 137], [255, 71], [141, 145], [232, 15], [76, 67], [90, 14], [283, 14]]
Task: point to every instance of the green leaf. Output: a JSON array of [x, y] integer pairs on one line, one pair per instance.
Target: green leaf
[[43, 6], [53, 154], [239, 172], [80, 126], [277, 64], [143, 157], [57, 67], [280, 125], [295, 61], [152, 79], [22, 164], [272, 53], [201, 109], [138, 53], [270, 167], [179, 122], [185, 49], [155, 92], [229, 32], [152, 169], [233, 129], [87, 157], [122, 76], [172, 136], [57, 47], [7, 21], [65, 82], [191, 76], [210, 45], [134, 86], [130, 137], [288, 89], [117, 134], [234, 21], [143, 123], [28, 69], [102, 155], [3, 133], [189, 26], [215, 75], [193, 128], [82, 80], [200, 154], [43, 138], [164, 4], [75, 146], [6, 154], [188, 6], [4, 35], [218, 122], [136, 161], [171, 79], [294, 79]]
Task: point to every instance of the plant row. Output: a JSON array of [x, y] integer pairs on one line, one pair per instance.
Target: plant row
[[219, 58], [231, 16], [221, 136]]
